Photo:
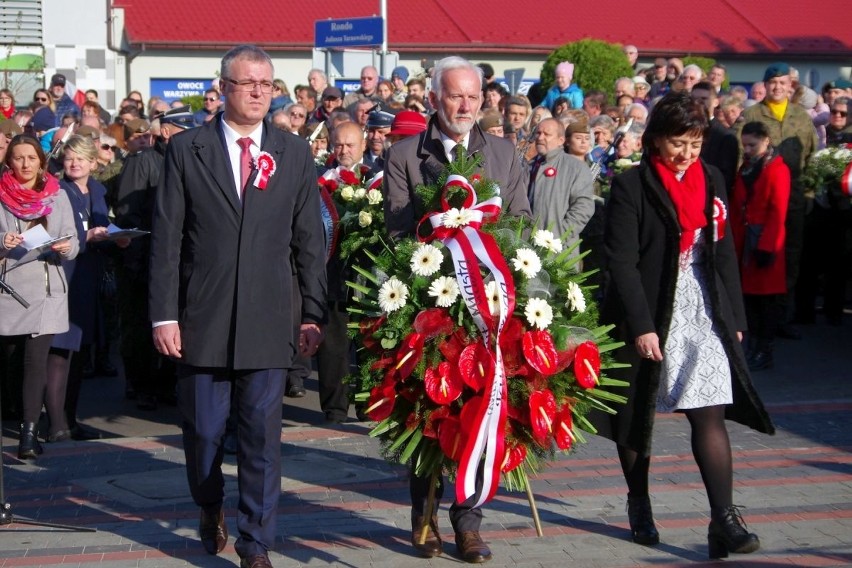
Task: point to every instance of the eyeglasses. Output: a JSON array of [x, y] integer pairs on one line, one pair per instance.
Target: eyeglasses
[[839, 112], [106, 147], [249, 86], [297, 115], [210, 100], [40, 99]]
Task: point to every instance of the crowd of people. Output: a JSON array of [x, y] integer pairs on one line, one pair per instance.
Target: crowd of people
[[686, 194]]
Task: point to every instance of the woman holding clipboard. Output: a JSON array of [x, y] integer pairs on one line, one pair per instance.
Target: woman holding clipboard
[[31, 200]]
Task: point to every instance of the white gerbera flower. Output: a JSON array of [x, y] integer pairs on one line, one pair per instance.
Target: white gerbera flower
[[492, 292], [426, 260], [392, 295], [347, 193], [374, 197], [360, 193], [365, 219], [445, 290], [576, 300], [547, 240], [527, 262], [457, 217], [539, 313]]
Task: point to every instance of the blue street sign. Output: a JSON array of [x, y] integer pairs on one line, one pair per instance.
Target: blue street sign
[[352, 32], [175, 89]]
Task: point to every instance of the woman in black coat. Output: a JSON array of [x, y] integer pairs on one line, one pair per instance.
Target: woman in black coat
[[675, 296]]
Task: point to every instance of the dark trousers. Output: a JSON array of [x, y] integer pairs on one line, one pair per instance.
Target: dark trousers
[[334, 361], [463, 516], [204, 400], [795, 227], [301, 368], [144, 369], [764, 314]]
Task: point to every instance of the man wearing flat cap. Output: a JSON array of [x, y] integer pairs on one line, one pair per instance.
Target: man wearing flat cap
[[64, 104], [331, 99], [792, 132]]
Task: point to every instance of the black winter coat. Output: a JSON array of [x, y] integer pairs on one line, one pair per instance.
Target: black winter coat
[[642, 248]]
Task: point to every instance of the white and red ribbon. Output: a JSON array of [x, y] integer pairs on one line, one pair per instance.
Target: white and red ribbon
[[469, 247], [846, 181], [265, 165], [720, 216]]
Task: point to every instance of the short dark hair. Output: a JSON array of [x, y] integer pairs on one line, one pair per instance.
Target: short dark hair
[[755, 128], [705, 86], [673, 115]]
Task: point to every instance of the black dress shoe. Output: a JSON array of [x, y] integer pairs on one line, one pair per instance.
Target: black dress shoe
[[727, 533], [787, 331], [641, 518], [83, 433], [256, 561], [471, 547], [213, 531], [335, 417], [432, 546], [296, 391], [760, 361]]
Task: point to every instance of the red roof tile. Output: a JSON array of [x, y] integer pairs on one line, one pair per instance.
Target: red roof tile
[[730, 27]]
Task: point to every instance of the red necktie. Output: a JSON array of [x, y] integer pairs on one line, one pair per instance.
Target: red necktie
[[245, 163]]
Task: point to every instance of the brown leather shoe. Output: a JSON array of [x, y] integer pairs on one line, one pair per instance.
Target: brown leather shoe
[[256, 561], [432, 546], [213, 531], [471, 547]]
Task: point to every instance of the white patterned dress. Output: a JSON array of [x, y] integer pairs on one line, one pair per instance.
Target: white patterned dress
[[695, 371]]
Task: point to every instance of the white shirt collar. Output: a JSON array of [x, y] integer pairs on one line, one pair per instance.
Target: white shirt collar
[[231, 136], [449, 144]]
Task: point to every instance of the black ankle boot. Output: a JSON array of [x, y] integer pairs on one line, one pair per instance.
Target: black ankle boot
[[760, 361], [28, 445], [727, 533], [642, 520]]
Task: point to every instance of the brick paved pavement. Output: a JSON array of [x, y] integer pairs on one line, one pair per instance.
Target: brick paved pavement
[[342, 505]]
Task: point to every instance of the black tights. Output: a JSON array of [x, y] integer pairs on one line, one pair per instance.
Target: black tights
[[58, 365], [711, 449], [32, 351]]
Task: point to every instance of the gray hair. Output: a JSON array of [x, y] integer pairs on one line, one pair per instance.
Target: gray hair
[[636, 130], [693, 67], [248, 52], [602, 121], [841, 101], [634, 106], [448, 64]]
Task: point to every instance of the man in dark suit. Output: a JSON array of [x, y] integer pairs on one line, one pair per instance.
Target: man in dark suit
[[457, 96], [225, 227]]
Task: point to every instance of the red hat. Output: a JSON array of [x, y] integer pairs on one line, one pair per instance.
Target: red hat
[[407, 123]]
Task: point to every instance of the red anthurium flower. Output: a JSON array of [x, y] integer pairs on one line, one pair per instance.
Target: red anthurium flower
[[433, 419], [348, 177], [411, 422], [433, 322], [562, 428], [475, 366], [469, 412], [514, 457], [540, 351], [542, 413], [587, 364], [367, 328], [409, 354], [450, 438], [380, 404], [452, 346], [443, 385]]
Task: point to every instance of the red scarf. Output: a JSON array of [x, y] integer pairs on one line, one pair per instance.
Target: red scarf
[[689, 195], [27, 204]]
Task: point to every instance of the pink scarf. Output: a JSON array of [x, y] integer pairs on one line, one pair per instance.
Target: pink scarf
[[27, 204]]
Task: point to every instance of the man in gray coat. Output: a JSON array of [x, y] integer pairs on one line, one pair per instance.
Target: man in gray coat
[[560, 188], [457, 96]]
